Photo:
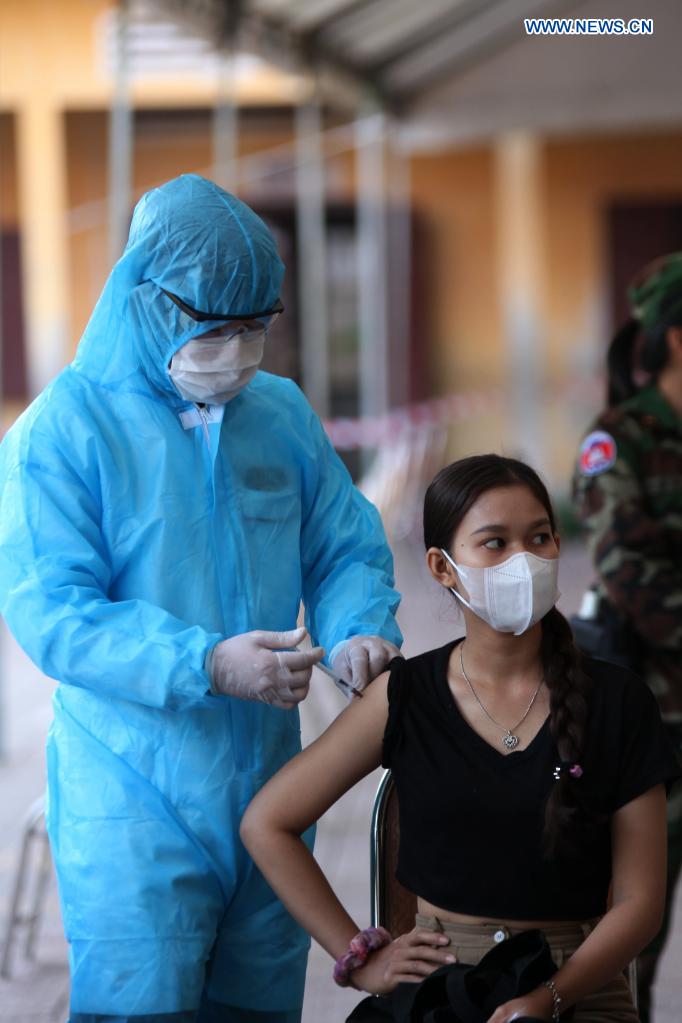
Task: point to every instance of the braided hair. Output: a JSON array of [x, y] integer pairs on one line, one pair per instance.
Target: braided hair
[[569, 688], [448, 498], [620, 360]]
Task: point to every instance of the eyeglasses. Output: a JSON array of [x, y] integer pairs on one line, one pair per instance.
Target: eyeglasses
[[267, 318]]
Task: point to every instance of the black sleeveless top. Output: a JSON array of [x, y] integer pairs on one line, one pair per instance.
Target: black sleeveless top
[[471, 818]]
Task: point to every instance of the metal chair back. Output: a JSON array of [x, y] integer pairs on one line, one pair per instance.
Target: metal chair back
[[393, 907]]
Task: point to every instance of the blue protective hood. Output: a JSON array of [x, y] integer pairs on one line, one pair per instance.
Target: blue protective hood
[[202, 244]]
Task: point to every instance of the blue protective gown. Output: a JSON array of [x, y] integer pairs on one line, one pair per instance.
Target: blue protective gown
[[135, 533]]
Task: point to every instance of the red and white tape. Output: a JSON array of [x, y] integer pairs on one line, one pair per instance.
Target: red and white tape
[[374, 431]]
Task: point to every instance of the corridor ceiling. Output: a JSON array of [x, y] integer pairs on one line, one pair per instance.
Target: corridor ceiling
[[394, 50], [457, 70]]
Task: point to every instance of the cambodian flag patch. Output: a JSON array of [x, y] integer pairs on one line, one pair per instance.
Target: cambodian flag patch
[[597, 453]]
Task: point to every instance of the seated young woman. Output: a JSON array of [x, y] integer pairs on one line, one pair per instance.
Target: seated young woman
[[530, 780]]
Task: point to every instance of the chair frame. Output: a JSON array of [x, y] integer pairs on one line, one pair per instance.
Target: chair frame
[[392, 906], [377, 851], [33, 871]]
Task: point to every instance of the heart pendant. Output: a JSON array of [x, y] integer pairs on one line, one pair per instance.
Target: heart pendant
[[511, 741]]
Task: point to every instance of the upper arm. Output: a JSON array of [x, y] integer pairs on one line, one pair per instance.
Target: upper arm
[[607, 500], [638, 835], [304, 789], [345, 559], [340, 526], [50, 523], [631, 549]]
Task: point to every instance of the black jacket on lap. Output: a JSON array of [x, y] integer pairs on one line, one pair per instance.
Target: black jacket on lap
[[466, 994]]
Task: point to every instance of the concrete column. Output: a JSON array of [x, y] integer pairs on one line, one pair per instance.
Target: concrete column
[[226, 123], [399, 316], [312, 256], [372, 263], [121, 130], [519, 198], [41, 178]]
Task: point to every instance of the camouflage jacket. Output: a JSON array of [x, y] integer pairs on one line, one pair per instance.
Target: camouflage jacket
[[628, 490]]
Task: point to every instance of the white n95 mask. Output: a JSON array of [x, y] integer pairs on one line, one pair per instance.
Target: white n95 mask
[[513, 595], [214, 370]]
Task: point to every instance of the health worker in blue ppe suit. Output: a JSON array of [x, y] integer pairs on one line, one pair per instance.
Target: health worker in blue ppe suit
[[165, 509]]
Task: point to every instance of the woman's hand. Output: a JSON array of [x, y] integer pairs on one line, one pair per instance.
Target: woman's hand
[[411, 957], [538, 1004]]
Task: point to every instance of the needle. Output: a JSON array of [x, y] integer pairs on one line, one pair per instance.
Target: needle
[[339, 681]]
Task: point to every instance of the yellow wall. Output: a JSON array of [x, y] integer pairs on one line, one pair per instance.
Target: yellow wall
[[56, 48], [583, 177], [452, 194], [49, 47]]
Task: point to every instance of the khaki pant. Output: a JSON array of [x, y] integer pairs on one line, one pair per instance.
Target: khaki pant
[[470, 942]]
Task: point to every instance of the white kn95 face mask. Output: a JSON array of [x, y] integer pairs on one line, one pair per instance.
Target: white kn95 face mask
[[214, 370], [511, 596]]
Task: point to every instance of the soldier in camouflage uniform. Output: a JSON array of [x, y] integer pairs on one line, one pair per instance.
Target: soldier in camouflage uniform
[[628, 491]]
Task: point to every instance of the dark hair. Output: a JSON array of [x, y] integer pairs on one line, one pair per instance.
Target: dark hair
[[620, 360], [652, 356], [449, 497]]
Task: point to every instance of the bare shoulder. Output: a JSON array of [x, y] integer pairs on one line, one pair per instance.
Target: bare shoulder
[[364, 718], [375, 695], [348, 750]]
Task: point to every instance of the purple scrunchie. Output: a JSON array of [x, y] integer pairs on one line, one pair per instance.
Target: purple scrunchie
[[359, 951]]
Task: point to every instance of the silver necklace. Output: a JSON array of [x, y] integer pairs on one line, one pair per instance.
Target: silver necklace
[[510, 740]]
